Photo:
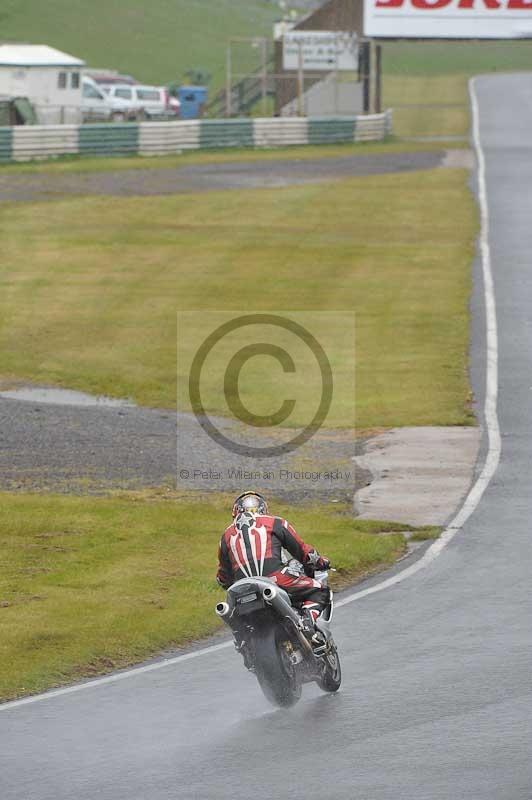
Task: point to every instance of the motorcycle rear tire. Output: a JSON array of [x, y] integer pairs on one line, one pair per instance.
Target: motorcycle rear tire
[[277, 676]]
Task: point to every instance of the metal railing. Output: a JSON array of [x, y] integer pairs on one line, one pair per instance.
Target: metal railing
[[245, 92]]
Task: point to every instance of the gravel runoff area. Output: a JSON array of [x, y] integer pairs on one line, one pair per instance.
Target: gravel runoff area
[[94, 449], [412, 475], [228, 175]]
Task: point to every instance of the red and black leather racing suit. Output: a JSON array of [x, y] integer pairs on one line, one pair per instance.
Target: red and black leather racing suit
[[252, 545]]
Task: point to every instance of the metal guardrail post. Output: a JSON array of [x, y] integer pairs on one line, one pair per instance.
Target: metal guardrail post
[[378, 79], [228, 87], [366, 76], [300, 81], [264, 75]]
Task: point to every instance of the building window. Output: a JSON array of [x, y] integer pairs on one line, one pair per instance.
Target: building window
[[74, 80], [62, 80]]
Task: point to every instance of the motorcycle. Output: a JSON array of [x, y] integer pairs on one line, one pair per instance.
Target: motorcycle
[[271, 635]]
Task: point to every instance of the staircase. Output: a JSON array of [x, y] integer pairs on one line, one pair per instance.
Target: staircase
[[244, 93]]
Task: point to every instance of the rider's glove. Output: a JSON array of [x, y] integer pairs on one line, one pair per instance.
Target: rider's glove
[[315, 562]]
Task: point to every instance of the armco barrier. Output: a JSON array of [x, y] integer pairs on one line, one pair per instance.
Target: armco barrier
[[109, 139], [6, 144], [40, 141], [226, 133], [373, 127], [159, 138], [329, 131], [280, 131]]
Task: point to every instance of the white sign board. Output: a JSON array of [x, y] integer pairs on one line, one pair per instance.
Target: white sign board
[[320, 50], [448, 19]]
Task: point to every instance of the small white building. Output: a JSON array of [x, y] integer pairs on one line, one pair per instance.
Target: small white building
[[50, 79]]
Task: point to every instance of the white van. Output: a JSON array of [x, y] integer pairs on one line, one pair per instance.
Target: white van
[[96, 106], [153, 101]]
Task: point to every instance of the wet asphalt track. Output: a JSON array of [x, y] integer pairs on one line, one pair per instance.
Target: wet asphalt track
[[436, 697]]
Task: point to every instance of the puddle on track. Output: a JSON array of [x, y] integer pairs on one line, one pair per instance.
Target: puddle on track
[[64, 397]]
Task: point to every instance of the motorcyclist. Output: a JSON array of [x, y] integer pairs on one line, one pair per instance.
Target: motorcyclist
[[253, 544]]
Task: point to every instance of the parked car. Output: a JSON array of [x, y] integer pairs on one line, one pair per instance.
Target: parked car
[[108, 77], [153, 101], [97, 106]]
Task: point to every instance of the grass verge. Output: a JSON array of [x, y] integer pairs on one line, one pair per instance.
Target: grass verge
[[90, 286], [425, 533], [428, 105], [426, 82], [90, 585]]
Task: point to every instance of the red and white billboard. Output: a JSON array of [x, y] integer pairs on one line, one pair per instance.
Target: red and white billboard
[[448, 19]]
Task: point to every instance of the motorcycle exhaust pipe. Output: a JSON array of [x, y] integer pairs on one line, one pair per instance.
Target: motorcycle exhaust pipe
[[276, 601], [269, 593], [222, 609]]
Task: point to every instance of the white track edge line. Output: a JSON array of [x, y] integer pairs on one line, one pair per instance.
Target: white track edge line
[[491, 421], [473, 498], [117, 676]]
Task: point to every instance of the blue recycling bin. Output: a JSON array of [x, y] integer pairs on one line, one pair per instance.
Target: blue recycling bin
[[192, 99]]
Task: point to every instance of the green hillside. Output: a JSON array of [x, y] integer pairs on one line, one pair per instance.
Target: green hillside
[[444, 57], [154, 40], [426, 83]]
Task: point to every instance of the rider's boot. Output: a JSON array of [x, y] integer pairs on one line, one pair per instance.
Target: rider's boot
[[310, 613]]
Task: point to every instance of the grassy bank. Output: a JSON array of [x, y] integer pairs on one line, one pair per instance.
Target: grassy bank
[[91, 286], [433, 58], [156, 42], [429, 105], [426, 82], [88, 585]]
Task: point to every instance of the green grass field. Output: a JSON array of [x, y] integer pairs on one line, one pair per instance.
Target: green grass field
[[156, 42], [426, 82], [445, 57], [431, 105], [89, 585], [91, 286]]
